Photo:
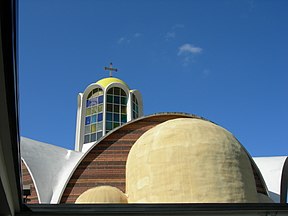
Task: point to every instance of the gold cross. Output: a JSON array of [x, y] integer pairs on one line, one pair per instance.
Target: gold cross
[[110, 69]]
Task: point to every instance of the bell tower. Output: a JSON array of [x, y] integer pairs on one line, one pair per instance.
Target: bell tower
[[104, 106]]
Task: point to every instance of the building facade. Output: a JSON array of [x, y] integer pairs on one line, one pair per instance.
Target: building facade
[[110, 123]]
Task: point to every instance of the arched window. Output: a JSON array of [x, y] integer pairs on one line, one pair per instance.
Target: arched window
[[94, 116], [135, 108], [116, 114]]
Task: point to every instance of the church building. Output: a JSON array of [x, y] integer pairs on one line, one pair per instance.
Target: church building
[[122, 156]]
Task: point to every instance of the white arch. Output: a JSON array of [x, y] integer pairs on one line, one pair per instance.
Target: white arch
[[32, 177]]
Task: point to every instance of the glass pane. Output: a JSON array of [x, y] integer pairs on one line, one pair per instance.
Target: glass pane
[[93, 119], [116, 99], [116, 91], [93, 128], [108, 125], [90, 94], [134, 106], [116, 118], [99, 126], [100, 99], [87, 120], [95, 90], [100, 92], [109, 99], [86, 138], [94, 101], [116, 108], [100, 108], [123, 109], [116, 124], [123, 100], [123, 118], [123, 92], [110, 91], [94, 110], [100, 117], [109, 108], [93, 137], [99, 135], [109, 116], [134, 115], [87, 129], [88, 111], [88, 103]]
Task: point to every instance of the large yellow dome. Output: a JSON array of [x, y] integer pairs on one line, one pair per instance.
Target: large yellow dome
[[107, 81], [189, 161]]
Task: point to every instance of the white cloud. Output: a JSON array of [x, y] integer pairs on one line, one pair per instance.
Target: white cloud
[[178, 26], [187, 49], [137, 34], [129, 38], [121, 40], [170, 35]]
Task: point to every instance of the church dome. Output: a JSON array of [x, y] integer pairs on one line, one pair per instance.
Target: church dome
[[189, 161], [107, 81], [102, 194]]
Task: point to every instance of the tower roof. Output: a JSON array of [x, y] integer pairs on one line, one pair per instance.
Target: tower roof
[[107, 81]]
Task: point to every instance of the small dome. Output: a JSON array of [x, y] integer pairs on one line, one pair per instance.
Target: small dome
[[102, 194], [107, 81], [189, 161]]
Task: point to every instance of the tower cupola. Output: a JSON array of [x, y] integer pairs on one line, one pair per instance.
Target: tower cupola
[[104, 106]]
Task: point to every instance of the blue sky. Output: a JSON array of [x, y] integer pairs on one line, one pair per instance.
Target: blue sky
[[223, 60]]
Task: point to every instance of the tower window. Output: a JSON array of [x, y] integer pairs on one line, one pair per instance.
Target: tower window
[[116, 108], [94, 116], [135, 107]]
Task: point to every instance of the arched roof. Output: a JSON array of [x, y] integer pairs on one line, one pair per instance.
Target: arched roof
[[107, 81], [49, 167], [70, 174], [108, 156]]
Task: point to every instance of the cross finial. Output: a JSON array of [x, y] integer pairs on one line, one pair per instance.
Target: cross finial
[[110, 69]]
